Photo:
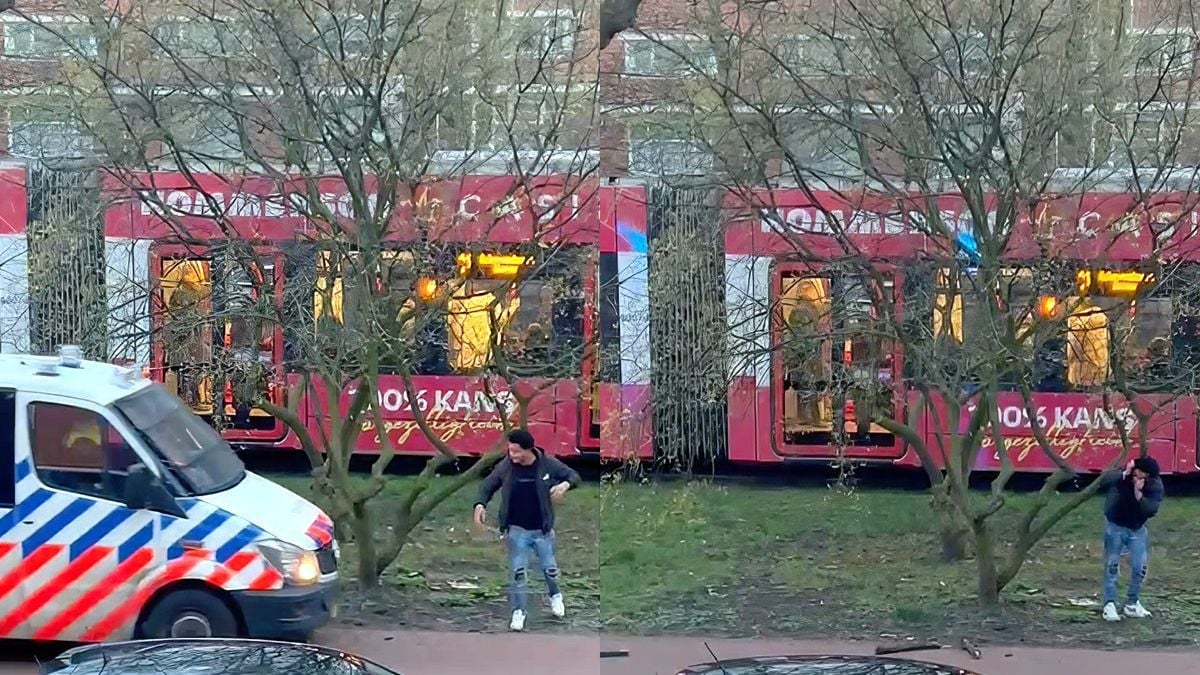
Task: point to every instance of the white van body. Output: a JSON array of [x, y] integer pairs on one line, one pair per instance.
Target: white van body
[[124, 515]]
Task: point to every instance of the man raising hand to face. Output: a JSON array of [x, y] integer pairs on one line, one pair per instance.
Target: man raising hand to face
[[1134, 497]]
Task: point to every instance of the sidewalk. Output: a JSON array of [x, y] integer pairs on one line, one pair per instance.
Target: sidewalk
[[429, 653], [664, 656]]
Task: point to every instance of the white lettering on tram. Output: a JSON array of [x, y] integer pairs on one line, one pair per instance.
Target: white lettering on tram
[[1066, 418], [449, 401], [165, 203], [812, 220]]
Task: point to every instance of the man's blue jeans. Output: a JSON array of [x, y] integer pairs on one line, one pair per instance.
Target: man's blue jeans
[[1116, 540], [521, 543]]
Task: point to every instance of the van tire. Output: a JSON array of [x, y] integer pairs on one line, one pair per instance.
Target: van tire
[[189, 613]]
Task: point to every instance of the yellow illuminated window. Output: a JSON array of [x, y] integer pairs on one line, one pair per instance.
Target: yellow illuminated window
[[807, 354], [1112, 284], [328, 296], [1087, 345], [946, 307], [475, 319], [331, 287]]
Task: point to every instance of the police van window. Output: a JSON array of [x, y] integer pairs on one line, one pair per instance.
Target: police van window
[[8, 432], [78, 451]]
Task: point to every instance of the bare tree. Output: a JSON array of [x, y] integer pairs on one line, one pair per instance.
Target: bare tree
[[980, 129], [389, 105]]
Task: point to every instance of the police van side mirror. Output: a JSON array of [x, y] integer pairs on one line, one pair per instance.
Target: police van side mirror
[[143, 490]]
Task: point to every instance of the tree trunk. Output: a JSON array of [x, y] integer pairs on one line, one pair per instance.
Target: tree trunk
[[955, 537], [985, 562], [366, 546]]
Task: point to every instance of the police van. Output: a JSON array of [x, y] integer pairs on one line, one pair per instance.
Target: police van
[[124, 515]]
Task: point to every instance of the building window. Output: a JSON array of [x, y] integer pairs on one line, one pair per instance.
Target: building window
[[528, 118], [668, 157], [50, 39], [816, 145], [350, 36], [191, 38], [36, 138], [1161, 53], [545, 35], [669, 56], [208, 134]]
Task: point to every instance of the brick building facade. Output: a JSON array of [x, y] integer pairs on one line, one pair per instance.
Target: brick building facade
[[1133, 89]]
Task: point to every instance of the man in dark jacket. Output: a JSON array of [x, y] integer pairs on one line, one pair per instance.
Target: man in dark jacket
[[1134, 497], [529, 482]]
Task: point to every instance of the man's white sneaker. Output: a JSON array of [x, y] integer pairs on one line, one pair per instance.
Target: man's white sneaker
[[1136, 611], [556, 605], [1110, 612], [518, 621]]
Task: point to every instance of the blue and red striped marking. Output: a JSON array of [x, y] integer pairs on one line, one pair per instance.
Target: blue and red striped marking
[[58, 546], [321, 531]]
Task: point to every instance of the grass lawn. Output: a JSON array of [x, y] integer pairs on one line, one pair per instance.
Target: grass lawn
[[695, 558], [801, 561], [451, 578]]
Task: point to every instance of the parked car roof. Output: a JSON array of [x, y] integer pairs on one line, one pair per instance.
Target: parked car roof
[[210, 657], [822, 665]]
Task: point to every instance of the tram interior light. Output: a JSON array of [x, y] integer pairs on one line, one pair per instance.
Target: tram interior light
[[1048, 307], [492, 265], [427, 288], [1108, 283]]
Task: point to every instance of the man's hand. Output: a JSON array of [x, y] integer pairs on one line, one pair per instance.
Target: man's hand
[[1139, 483], [1128, 469], [557, 492], [480, 515]]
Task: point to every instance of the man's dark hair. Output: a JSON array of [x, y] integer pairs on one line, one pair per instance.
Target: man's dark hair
[[1147, 464], [522, 438]]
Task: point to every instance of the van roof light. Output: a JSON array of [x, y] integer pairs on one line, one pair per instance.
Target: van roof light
[[70, 356]]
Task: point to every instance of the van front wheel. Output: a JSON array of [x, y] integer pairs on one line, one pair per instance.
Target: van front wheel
[[189, 613]]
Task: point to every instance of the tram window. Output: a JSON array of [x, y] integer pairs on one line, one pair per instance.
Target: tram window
[[533, 317], [1087, 345], [351, 303], [333, 297], [947, 308], [186, 288], [495, 303], [807, 354]]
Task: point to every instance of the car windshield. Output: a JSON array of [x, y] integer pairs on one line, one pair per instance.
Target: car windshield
[[266, 659], [189, 448]]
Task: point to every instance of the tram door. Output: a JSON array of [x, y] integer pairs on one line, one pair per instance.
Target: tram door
[[216, 344]]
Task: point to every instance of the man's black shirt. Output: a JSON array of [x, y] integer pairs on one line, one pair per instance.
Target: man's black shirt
[[525, 510]]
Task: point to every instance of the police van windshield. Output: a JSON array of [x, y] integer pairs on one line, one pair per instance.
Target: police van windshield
[[189, 448]]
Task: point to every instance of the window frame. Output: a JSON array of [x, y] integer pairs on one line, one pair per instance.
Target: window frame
[[652, 41], [553, 47], [1137, 64], [75, 141], [25, 406], [88, 44]]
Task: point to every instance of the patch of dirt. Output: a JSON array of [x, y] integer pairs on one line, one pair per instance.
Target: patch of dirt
[[759, 608], [466, 609]]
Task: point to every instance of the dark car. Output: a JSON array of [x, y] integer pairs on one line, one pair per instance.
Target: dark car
[[209, 657], [822, 665]]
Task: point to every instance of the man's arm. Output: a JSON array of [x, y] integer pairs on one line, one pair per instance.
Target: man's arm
[[492, 483], [561, 473], [1152, 497], [1111, 476]]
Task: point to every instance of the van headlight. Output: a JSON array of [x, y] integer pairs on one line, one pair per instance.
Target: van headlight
[[297, 565]]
